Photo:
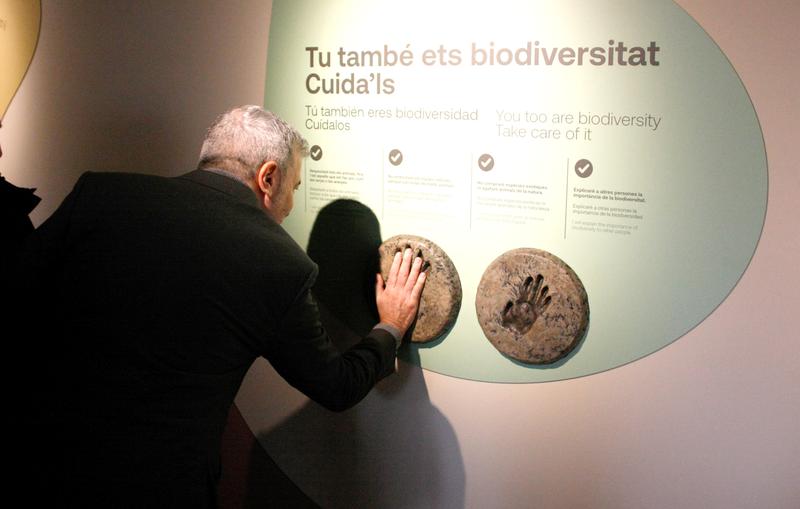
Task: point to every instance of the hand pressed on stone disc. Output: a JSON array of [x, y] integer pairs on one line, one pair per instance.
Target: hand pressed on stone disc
[[441, 298]]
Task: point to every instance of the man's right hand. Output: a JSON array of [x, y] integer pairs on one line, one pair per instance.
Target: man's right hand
[[398, 298]]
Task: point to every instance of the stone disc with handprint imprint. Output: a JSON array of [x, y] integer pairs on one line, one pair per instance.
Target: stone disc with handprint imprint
[[441, 297], [532, 306]]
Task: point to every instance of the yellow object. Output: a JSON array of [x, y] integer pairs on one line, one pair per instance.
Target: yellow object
[[20, 21]]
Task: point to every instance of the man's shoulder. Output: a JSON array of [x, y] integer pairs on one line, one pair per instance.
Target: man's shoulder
[[112, 176], [98, 180], [282, 252], [161, 188], [217, 202]]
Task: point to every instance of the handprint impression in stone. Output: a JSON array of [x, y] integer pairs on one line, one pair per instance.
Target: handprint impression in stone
[[531, 301]]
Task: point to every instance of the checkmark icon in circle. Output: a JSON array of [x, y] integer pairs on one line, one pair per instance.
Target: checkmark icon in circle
[[315, 152], [486, 162], [395, 157], [584, 168]]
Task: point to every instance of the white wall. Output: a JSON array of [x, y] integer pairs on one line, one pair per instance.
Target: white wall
[[710, 421]]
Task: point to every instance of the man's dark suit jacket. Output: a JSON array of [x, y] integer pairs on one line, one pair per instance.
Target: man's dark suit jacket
[[154, 296]]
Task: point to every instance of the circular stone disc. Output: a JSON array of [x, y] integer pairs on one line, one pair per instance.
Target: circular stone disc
[[441, 297], [531, 306]]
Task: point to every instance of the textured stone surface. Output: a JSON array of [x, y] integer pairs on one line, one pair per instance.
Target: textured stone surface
[[532, 306], [441, 297]]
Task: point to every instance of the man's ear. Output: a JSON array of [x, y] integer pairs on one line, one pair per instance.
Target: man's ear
[[269, 178]]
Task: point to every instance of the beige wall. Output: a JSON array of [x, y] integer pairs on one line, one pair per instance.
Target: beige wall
[[121, 85], [710, 421]]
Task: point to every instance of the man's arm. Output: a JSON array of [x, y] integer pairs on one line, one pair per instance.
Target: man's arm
[[303, 354]]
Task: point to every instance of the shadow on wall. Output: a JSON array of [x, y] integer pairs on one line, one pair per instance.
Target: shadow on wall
[[394, 449]]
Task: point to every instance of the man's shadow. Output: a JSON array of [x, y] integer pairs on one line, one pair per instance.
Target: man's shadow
[[393, 449]]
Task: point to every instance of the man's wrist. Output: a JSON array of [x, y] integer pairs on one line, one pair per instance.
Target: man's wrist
[[394, 331]]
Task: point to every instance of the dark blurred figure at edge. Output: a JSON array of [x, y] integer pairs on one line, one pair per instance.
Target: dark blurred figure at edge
[[150, 297], [15, 205]]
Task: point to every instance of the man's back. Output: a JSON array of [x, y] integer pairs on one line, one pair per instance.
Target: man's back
[[163, 292]]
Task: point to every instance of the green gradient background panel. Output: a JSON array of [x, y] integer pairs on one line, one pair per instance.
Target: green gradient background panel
[[701, 173]]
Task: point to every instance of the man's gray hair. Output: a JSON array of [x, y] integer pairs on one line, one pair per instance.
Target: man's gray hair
[[242, 139]]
